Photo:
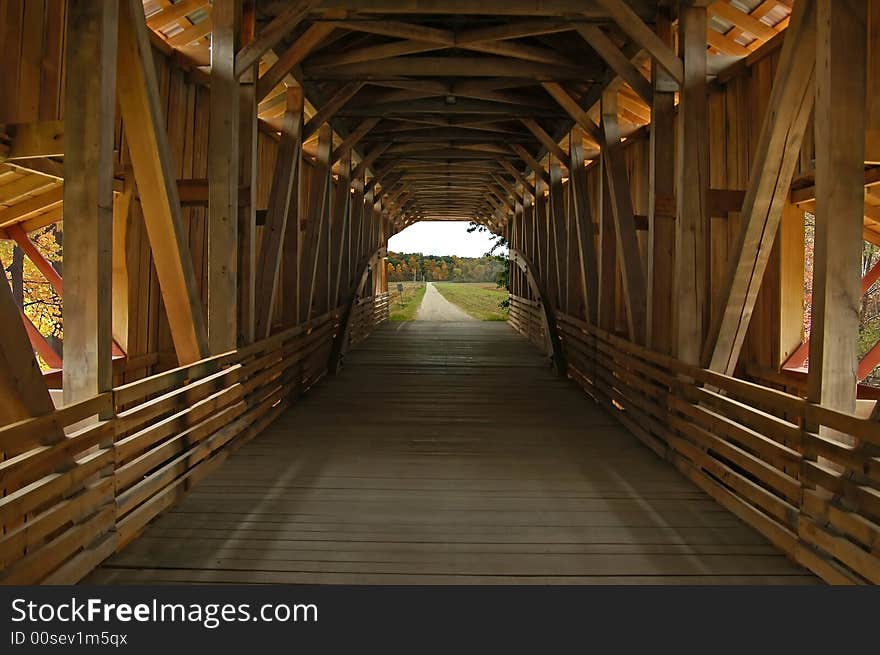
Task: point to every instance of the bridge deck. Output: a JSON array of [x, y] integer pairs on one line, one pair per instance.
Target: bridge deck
[[424, 463]]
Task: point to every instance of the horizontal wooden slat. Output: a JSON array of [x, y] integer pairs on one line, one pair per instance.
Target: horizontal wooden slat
[[745, 445], [18, 437]]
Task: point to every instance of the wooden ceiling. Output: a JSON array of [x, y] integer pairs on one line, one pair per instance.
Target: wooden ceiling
[[457, 100], [453, 102]]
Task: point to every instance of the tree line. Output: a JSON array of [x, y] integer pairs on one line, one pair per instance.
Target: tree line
[[439, 268]]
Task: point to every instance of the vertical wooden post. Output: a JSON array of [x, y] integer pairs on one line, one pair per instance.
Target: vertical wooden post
[[312, 267], [693, 179], [542, 236], [607, 255], [631, 268], [872, 133], [357, 216], [588, 269], [223, 165], [278, 215], [89, 127], [556, 239], [340, 228], [528, 242], [773, 165], [661, 188], [247, 176], [841, 81], [138, 96]]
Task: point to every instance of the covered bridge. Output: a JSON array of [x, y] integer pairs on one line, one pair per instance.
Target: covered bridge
[[201, 194]]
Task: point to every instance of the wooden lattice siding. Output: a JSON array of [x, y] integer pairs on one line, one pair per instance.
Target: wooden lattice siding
[[736, 109], [31, 50]]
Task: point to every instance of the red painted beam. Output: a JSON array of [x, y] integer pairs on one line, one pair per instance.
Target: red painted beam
[[799, 357], [45, 267], [39, 343]]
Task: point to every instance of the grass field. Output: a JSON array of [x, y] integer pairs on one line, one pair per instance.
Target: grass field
[[479, 299], [404, 309]]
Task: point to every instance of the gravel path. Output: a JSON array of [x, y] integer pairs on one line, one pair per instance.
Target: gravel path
[[435, 307]]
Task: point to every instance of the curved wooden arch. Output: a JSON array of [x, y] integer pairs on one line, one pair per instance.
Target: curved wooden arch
[[339, 345], [554, 346]]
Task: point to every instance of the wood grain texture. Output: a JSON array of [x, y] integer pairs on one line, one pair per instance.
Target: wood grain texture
[[453, 490]]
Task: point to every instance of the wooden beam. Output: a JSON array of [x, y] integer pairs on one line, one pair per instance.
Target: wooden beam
[[742, 20], [841, 97], [556, 276], [790, 264], [494, 8], [223, 163], [778, 150], [573, 109], [516, 50], [513, 30], [315, 216], [280, 26], [23, 392], [375, 52], [632, 271], [584, 228], [298, 50], [608, 274], [89, 126], [20, 211], [193, 32], [872, 133], [329, 108], [340, 231], [616, 60], [369, 158], [173, 13], [40, 139], [691, 270], [248, 163], [283, 202], [445, 67], [545, 139], [661, 185], [353, 138], [138, 98], [121, 280], [529, 161], [635, 28]]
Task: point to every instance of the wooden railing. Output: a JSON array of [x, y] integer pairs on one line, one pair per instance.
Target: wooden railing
[[72, 501], [805, 476], [526, 318], [367, 313]]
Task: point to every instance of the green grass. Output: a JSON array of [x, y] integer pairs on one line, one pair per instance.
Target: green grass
[[479, 299], [405, 308]]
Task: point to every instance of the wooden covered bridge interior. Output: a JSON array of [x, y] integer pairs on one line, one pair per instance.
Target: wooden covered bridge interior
[[227, 401]]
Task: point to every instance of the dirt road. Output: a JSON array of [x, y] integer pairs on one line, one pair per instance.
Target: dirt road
[[435, 307]]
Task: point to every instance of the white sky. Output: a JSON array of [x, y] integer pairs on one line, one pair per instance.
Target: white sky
[[441, 238]]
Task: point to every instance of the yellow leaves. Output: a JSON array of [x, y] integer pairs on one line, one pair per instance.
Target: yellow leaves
[[40, 302]]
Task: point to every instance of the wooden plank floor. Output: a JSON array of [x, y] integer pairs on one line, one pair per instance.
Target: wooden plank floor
[[447, 453]]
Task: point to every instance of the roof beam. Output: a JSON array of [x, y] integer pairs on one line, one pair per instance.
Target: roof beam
[[545, 139], [329, 108], [570, 105], [447, 67], [615, 59], [633, 26], [282, 25], [297, 51]]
